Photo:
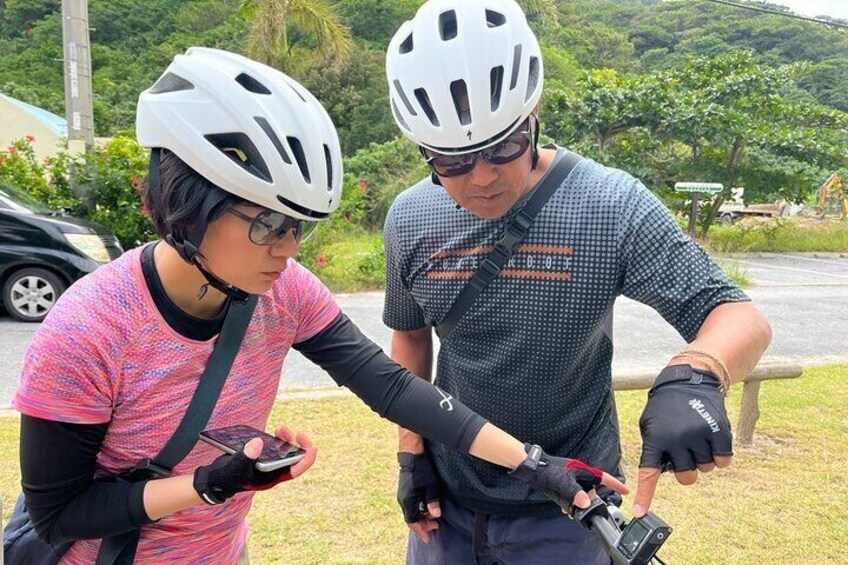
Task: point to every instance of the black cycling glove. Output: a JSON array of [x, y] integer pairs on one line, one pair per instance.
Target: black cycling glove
[[418, 484], [560, 478], [231, 474], [684, 423]]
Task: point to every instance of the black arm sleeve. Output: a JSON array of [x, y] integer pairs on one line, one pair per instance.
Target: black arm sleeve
[[64, 500], [354, 361]]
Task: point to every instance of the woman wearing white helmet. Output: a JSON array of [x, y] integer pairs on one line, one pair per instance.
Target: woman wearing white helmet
[[244, 161]]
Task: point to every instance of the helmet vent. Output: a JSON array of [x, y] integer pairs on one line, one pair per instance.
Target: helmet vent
[[300, 157], [406, 46], [533, 79], [329, 161], [459, 92], [302, 209], [296, 91], [169, 82], [241, 151], [269, 131], [516, 66], [494, 19], [424, 100], [398, 117], [496, 82], [403, 97], [251, 84], [447, 25]]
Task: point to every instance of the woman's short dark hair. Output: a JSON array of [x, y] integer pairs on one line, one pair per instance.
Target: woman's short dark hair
[[184, 191]]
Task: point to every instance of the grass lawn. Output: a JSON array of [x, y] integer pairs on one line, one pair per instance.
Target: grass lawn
[[350, 262], [782, 501], [784, 235]]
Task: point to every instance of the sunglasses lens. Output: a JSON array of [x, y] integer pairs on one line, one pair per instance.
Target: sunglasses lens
[[269, 227], [263, 228], [305, 230], [508, 150], [504, 152], [452, 165]]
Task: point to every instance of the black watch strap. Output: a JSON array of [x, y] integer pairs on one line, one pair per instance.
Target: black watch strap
[[406, 460], [530, 463], [685, 374], [204, 491]]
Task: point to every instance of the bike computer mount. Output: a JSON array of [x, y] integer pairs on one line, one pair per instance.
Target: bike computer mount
[[633, 542]]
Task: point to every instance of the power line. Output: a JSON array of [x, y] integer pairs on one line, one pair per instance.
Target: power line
[[784, 14]]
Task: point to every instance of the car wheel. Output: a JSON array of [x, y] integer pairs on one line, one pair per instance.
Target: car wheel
[[30, 293]]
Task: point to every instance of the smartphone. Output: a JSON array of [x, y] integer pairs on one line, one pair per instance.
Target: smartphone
[[276, 453]]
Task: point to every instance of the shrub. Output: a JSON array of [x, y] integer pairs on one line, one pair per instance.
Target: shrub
[[375, 176], [46, 181], [114, 170]]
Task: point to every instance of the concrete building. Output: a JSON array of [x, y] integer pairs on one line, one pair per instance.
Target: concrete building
[[19, 119]]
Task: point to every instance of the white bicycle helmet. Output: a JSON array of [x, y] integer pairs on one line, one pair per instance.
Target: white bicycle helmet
[[247, 128], [463, 74]]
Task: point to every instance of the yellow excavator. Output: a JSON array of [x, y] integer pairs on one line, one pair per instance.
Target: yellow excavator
[[831, 198]]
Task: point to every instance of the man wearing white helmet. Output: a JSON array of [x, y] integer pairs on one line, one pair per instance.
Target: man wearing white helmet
[[533, 350], [244, 161]]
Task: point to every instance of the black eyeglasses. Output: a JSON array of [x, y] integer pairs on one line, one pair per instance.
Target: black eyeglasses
[[269, 227], [504, 152]]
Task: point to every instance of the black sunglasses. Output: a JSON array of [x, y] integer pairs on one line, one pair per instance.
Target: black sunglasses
[[504, 152], [269, 227]]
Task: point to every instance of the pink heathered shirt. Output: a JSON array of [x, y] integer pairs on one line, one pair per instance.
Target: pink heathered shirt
[[105, 354]]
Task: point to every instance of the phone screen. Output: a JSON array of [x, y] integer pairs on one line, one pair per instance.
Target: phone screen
[[234, 437]]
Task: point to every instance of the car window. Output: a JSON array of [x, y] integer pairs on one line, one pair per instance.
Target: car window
[[14, 199]]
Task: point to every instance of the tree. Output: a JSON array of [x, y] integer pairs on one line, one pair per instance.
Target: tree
[[828, 82], [285, 33], [355, 94], [720, 110], [376, 21], [598, 46], [20, 15], [602, 105]]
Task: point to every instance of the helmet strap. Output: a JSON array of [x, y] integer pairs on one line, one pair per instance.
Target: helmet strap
[[188, 248], [229, 290], [153, 181], [534, 149]]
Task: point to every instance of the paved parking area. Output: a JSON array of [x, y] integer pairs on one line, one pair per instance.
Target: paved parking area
[[804, 296], [773, 270]]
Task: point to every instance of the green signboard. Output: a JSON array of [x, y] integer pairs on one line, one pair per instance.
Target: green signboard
[[710, 187]]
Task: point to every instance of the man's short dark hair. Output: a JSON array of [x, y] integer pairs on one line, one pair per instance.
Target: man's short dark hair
[[184, 191]]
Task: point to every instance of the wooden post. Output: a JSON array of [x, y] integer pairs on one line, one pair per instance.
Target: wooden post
[[749, 413], [693, 215]]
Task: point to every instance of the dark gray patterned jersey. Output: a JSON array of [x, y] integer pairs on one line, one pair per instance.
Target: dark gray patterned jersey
[[533, 353]]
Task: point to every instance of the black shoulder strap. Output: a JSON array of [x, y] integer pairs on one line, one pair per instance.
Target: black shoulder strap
[[210, 385], [120, 550], [514, 233]]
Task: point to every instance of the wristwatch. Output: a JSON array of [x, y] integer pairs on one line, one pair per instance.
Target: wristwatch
[[205, 492], [530, 463]]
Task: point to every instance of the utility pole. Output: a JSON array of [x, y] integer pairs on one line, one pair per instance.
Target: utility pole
[[78, 107]]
